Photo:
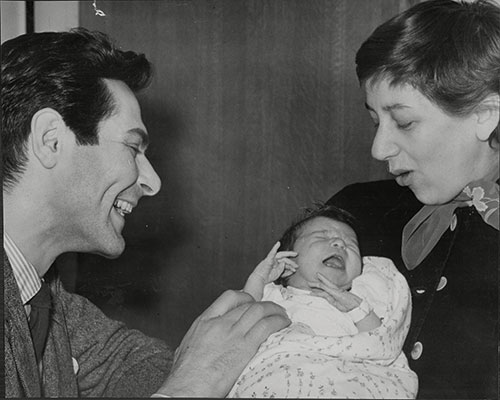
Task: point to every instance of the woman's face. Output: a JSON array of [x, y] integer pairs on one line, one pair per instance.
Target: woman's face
[[433, 153]]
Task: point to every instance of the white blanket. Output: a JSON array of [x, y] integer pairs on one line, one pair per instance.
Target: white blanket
[[298, 362]]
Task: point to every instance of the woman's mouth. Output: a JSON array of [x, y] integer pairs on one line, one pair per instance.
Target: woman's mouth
[[402, 176]]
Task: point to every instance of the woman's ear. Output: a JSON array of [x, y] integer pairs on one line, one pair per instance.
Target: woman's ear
[[47, 128], [488, 116]]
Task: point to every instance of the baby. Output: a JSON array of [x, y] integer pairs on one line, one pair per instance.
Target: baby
[[350, 316]]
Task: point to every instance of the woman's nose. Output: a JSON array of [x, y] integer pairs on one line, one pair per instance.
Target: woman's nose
[[383, 146], [148, 180]]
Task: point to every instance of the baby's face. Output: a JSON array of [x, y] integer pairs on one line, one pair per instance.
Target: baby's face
[[329, 247]]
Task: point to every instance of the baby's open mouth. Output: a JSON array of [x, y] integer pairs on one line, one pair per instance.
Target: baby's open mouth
[[334, 261]]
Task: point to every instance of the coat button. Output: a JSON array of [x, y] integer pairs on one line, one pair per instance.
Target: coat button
[[442, 283], [417, 350], [453, 223], [76, 367], [420, 290]]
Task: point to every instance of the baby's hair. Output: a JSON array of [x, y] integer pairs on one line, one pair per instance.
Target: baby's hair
[[290, 236]]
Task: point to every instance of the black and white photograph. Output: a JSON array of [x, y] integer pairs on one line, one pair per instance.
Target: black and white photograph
[[250, 199]]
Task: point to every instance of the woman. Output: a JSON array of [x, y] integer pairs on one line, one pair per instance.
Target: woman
[[431, 77]]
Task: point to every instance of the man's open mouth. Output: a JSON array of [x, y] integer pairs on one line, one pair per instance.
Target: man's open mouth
[[123, 207]]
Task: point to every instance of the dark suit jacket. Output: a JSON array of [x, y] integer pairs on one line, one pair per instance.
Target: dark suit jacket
[[453, 340], [112, 360]]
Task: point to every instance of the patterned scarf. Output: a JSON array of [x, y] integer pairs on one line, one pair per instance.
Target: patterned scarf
[[424, 230]]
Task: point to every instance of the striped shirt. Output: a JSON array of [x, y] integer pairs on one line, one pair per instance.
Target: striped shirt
[[25, 273]]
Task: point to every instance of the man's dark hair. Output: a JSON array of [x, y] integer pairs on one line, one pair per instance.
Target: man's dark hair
[[64, 71], [446, 49]]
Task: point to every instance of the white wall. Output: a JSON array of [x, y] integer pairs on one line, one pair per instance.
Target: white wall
[[13, 19], [56, 15], [48, 16]]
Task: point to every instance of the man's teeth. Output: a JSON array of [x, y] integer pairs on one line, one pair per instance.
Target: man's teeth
[[123, 207]]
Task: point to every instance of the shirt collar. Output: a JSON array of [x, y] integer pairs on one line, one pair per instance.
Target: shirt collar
[[25, 273]]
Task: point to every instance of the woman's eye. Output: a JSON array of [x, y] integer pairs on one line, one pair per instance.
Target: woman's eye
[[405, 126]]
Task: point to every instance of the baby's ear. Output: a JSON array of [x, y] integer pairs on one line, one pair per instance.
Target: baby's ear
[[487, 116]]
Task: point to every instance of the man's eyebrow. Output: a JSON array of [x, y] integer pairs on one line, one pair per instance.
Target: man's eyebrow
[[142, 133], [396, 106]]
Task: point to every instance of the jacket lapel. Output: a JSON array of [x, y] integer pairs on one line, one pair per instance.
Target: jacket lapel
[[21, 370], [58, 376]]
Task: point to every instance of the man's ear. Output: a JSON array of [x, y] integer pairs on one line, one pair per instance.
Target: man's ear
[[47, 130], [488, 116]]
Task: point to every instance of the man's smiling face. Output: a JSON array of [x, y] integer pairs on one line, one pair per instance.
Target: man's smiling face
[[107, 180]]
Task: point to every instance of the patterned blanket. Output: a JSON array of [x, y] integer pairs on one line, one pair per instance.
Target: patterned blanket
[[298, 363]]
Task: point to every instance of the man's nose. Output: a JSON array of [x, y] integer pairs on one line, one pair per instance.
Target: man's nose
[[383, 146], [148, 180]]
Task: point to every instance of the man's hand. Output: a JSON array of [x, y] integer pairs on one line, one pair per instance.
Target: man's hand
[[220, 343]]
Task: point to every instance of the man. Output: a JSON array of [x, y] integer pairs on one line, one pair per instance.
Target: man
[[73, 146]]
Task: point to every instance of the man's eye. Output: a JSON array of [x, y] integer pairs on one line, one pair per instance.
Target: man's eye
[[134, 148]]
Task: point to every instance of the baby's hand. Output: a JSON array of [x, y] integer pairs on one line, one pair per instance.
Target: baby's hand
[[275, 264], [339, 298]]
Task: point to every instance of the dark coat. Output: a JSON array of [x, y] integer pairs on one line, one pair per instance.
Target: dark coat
[[113, 361], [452, 344]]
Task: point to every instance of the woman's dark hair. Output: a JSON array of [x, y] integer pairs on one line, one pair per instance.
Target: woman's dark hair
[[64, 71], [448, 50], [290, 236]]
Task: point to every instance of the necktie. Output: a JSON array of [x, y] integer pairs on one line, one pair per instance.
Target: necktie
[[424, 230], [39, 319]]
